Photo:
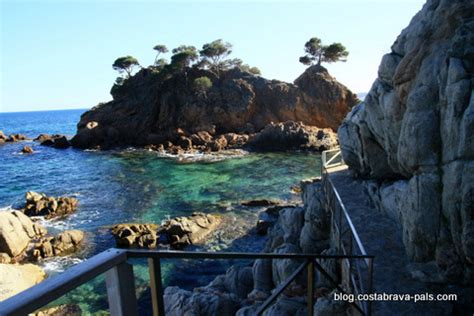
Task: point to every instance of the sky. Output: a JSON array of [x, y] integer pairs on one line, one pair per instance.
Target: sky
[[58, 54]]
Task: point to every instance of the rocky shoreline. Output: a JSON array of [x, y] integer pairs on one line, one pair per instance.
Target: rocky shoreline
[[24, 241]]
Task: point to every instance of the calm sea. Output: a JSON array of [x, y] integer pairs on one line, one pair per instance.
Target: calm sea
[[140, 186]]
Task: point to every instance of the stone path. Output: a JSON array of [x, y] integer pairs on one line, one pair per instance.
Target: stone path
[[382, 238]]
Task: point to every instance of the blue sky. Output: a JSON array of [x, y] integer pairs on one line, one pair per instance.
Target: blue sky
[[58, 54]]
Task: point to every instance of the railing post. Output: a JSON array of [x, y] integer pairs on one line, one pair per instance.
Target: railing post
[[310, 287], [156, 287], [121, 290]]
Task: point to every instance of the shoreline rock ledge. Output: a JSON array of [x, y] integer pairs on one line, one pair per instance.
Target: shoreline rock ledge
[[152, 108], [413, 135]]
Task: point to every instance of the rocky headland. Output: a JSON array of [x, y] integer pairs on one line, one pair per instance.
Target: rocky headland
[[412, 139], [165, 112]]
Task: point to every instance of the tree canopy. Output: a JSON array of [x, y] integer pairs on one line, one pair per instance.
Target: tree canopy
[[316, 53], [160, 49], [214, 56], [183, 56], [125, 64]]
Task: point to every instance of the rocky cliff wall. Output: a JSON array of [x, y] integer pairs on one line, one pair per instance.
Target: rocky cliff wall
[[414, 135], [151, 106]]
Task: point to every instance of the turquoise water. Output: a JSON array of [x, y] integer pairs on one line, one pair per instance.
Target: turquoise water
[[140, 186]]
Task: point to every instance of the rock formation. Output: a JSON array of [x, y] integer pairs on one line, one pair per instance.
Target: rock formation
[[13, 138], [414, 135], [27, 150], [135, 235], [38, 204], [15, 278], [16, 232], [64, 243], [152, 108], [178, 232], [293, 135], [3, 138], [56, 141]]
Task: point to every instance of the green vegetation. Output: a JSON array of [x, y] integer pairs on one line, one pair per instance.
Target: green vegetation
[[160, 49], [183, 56], [213, 57], [316, 53], [125, 64], [252, 70], [214, 54], [202, 85]]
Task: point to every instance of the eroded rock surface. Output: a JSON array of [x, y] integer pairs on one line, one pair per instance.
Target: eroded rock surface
[[38, 204], [293, 135], [178, 232], [16, 232], [61, 244], [416, 126]]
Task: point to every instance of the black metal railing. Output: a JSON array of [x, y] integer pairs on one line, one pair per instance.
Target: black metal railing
[[119, 279]]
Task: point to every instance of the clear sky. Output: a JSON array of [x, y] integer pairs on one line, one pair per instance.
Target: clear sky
[[58, 54]]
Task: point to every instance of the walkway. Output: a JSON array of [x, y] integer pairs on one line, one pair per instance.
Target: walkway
[[383, 238]]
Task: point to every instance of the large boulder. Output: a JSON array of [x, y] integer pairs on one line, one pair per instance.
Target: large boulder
[[293, 135], [16, 278], [150, 106], [135, 235], [38, 204], [202, 302], [416, 125], [188, 230], [177, 232], [16, 232]]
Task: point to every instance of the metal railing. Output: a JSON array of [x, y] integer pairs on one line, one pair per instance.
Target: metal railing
[[331, 158], [344, 234], [119, 279]]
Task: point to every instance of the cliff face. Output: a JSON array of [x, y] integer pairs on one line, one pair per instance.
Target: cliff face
[[416, 126], [148, 108]]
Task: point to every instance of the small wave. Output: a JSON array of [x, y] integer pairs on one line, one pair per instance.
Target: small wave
[[210, 157], [59, 264], [8, 208], [58, 224]]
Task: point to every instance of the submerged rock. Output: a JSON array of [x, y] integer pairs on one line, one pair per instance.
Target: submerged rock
[[16, 278], [61, 310], [414, 131], [38, 204], [16, 232]]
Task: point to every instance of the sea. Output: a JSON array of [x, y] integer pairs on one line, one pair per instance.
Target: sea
[[135, 185]]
